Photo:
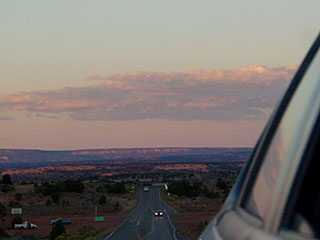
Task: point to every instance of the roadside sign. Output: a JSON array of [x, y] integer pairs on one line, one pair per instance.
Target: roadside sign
[[98, 219], [16, 210]]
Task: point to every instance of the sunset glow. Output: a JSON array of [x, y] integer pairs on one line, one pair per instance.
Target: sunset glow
[[105, 75]]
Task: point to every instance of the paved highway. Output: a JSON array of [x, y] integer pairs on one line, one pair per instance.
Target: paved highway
[[142, 224]]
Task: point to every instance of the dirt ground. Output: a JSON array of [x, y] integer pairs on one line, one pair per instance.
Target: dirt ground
[[44, 227], [79, 208], [191, 225]]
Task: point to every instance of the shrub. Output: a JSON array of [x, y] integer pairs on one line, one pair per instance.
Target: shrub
[[14, 204], [102, 200], [117, 206], [57, 230], [3, 233], [59, 187], [184, 188], [3, 211], [201, 226], [116, 188], [211, 194], [48, 202], [6, 179], [16, 220], [55, 198], [221, 184], [18, 196], [7, 188]]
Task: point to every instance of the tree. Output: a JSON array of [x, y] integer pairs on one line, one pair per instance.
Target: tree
[[48, 202], [6, 179], [3, 234], [211, 194], [116, 188], [103, 199], [57, 230], [3, 211], [14, 204], [55, 198], [18, 196], [117, 206], [221, 184]]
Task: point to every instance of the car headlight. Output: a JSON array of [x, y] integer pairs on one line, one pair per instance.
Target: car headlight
[[161, 213]]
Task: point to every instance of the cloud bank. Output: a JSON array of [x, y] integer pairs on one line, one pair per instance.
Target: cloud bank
[[218, 95]]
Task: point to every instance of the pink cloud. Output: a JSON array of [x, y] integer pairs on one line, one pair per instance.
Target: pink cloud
[[221, 95]]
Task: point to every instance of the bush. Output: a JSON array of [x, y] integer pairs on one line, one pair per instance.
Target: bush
[[14, 204], [57, 230], [86, 229], [116, 188], [18, 196], [184, 188], [3, 211], [3, 233], [7, 188], [211, 194], [59, 187], [36, 188], [102, 200], [55, 198], [117, 206], [16, 220], [201, 226], [29, 237], [221, 184], [48, 202], [6, 179]]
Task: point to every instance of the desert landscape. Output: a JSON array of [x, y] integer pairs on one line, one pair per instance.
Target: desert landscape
[[81, 191]]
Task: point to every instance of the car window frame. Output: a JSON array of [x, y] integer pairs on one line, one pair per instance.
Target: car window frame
[[289, 211], [269, 132], [232, 212]]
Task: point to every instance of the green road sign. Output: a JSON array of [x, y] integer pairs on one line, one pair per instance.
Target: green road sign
[[98, 219]]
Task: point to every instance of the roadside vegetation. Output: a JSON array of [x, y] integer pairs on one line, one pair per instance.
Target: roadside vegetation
[[43, 201], [198, 201], [197, 197]]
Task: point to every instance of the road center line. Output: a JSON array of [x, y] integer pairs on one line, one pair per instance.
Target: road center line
[[152, 222]]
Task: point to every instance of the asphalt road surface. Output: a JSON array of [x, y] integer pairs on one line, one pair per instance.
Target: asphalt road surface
[[142, 224]]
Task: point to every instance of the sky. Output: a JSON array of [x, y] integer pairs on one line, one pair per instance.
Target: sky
[[117, 74]]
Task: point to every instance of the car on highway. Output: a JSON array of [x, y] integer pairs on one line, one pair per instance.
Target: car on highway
[[158, 213], [25, 225], [146, 189], [63, 221], [277, 193]]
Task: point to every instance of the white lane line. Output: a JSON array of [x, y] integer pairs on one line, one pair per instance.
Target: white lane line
[[174, 229], [163, 203], [126, 219], [138, 222]]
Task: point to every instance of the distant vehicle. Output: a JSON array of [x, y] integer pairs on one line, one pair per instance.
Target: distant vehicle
[[25, 225], [158, 213], [63, 221], [146, 189], [276, 196]]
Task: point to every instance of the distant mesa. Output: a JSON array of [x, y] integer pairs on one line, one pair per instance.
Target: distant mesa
[[12, 156]]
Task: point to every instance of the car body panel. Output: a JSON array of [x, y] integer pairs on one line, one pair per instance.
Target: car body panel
[[158, 213], [63, 221]]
